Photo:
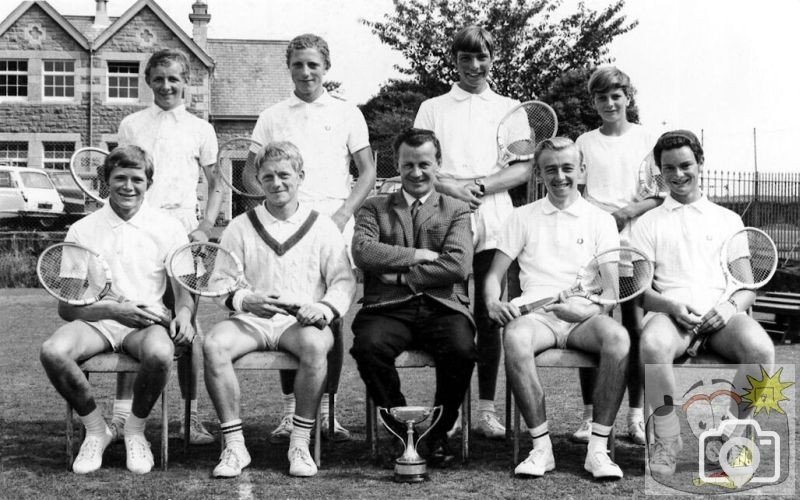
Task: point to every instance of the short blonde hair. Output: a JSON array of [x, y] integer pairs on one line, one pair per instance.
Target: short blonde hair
[[279, 150]]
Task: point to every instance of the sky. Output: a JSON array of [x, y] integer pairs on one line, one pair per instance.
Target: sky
[[718, 67]]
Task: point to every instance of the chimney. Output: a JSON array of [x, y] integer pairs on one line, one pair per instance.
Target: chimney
[[200, 18], [101, 14]]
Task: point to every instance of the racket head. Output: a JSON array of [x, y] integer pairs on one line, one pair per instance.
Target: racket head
[[232, 167], [522, 128], [86, 167], [613, 276], [749, 258], [651, 182], [73, 273], [206, 269]]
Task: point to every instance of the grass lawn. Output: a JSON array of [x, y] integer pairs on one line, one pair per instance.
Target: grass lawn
[[32, 461]]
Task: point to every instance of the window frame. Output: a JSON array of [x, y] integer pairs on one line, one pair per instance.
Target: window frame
[[68, 80], [18, 161], [133, 83], [69, 147], [8, 74]]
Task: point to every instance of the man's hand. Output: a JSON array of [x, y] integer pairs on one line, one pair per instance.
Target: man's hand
[[310, 314], [623, 216], [262, 305], [468, 192], [181, 330], [134, 315], [340, 218], [574, 310], [685, 315], [388, 278], [717, 317], [424, 256], [198, 235], [502, 312]]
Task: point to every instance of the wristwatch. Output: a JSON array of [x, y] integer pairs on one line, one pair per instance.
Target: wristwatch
[[481, 185]]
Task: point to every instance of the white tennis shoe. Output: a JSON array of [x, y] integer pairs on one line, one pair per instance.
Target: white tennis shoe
[[601, 466], [300, 462], [139, 458], [539, 461], [231, 462], [90, 457]]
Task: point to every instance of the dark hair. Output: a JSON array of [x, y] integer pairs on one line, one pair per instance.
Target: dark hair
[[608, 78], [677, 139], [309, 41], [473, 38], [416, 137], [128, 157], [165, 57], [555, 144], [279, 150]]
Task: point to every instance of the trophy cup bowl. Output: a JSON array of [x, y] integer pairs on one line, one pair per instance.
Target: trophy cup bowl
[[410, 467]]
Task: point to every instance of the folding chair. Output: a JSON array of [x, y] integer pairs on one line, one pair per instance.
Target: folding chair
[[416, 359]]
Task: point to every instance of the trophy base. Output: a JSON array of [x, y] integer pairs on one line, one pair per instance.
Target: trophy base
[[410, 472]]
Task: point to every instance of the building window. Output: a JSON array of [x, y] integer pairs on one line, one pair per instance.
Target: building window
[[14, 154], [59, 79], [13, 78], [123, 80], [58, 154]]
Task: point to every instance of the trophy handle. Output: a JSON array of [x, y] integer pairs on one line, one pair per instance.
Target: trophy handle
[[381, 412], [433, 423]]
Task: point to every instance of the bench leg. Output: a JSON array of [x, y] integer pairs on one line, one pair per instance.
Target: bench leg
[[509, 411], [69, 436], [372, 428], [516, 434], [318, 437], [164, 431], [466, 411]]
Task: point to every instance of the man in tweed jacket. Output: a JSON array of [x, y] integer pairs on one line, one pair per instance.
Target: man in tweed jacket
[[415, 248]]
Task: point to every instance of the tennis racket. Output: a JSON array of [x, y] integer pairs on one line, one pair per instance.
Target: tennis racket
[[651, 183], [78, 276], [86, 169], [611, 277], [749, 259], [209, 270], [521, 129], [231, 167]]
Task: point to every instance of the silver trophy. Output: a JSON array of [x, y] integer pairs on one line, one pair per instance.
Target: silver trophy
[[410, 467]]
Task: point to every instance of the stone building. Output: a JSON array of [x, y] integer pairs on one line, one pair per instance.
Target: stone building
[[67, 81]]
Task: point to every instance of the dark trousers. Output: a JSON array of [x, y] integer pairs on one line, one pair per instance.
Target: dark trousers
[[422, 323], [489, 342]]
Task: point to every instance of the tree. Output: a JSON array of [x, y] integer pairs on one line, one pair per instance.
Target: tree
[[532, 49]]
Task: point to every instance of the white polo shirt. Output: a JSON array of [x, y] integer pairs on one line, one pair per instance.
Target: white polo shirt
[[612, 165], [552, 245], [684, 241], [136, 250], [466, 126], [327, 131], [180, 143]]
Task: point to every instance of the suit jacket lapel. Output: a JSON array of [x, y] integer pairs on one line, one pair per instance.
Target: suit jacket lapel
[[403, 213], [427, 211]]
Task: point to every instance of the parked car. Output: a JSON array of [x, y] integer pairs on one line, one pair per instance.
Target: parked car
[[74, 199], [28, 196], [389, 186]]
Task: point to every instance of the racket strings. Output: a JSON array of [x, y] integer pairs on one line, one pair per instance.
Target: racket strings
[[71, 273], [754, 263], [232, 167], [205, 269], [88, 166], [542, 121]]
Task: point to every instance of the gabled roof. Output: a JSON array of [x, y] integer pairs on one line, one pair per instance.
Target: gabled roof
[[250, 76], [85, 24], [152, 5], [50, 11]]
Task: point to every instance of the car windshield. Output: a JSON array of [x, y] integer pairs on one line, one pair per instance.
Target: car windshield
[[36, 180], [61, 180]]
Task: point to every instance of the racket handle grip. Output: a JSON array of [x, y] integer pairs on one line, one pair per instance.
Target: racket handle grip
[[695, 344]]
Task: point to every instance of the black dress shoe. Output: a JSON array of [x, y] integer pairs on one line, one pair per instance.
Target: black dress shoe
[[441, 455]]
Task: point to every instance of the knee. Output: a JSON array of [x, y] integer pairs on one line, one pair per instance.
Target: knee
[[653, 348], [615, 340], [52, 354], [367, 346], [158, 352], [759, 352], [517, 343], [314, 347]]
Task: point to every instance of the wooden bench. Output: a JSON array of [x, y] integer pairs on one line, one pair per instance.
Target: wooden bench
[[784, 307]]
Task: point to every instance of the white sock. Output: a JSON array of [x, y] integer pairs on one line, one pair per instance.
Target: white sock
[[122, 408], [541, 436], [193, 406], [635, 415], [486, 405], [588, 412], [598, 439], [667, 426], [94, 422], [134, 425], [301, 431], [232, 432], [288, 404]]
